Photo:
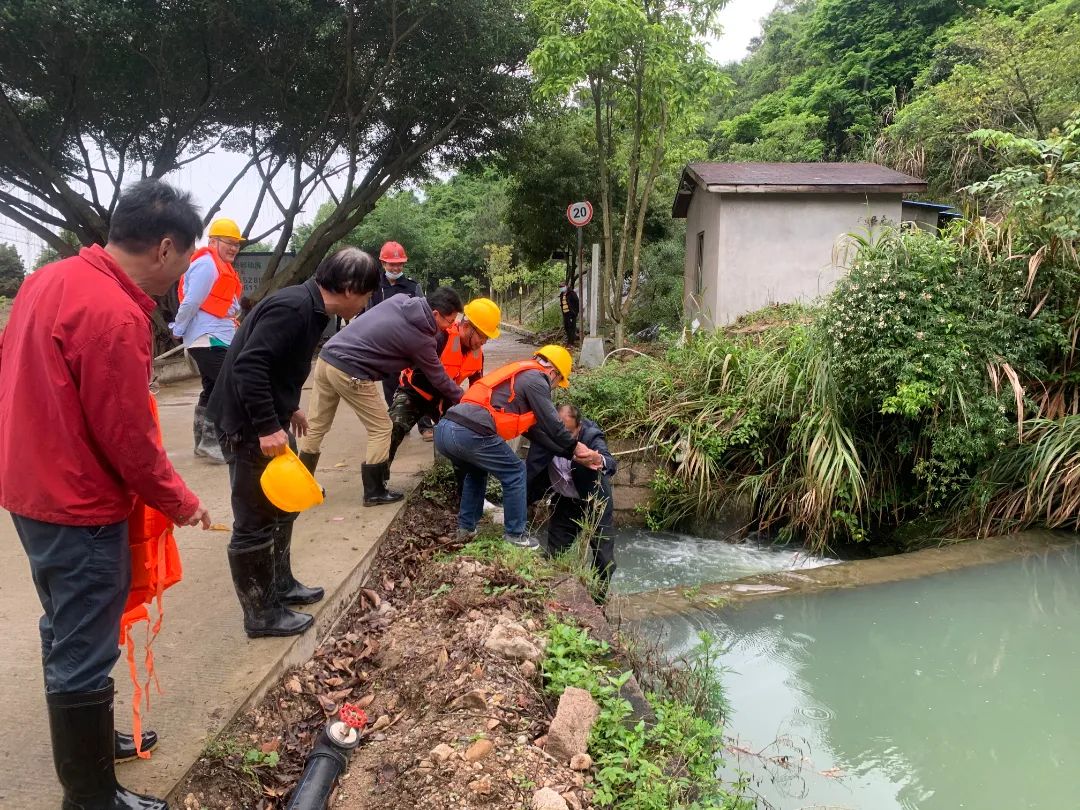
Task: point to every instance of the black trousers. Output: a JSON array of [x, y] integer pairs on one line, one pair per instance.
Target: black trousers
[[569, 320], [254, 517], [564, 527], [82, 575], [209, 361]]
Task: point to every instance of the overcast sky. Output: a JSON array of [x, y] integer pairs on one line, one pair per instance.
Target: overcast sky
[[208, 177]]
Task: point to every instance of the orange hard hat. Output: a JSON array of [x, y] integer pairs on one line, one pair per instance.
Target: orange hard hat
[[393, 252]]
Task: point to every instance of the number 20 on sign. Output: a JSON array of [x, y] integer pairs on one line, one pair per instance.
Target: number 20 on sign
[[579, 213]]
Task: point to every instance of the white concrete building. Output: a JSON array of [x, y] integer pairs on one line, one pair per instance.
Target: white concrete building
[[765, 233]]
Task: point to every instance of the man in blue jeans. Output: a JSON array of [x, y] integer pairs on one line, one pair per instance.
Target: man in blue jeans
[[78, 443], [509, 402]]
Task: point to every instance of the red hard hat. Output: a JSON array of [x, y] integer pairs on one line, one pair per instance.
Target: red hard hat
[[392, 252]]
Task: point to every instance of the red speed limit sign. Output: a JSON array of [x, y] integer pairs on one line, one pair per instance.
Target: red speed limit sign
[[579, 213]]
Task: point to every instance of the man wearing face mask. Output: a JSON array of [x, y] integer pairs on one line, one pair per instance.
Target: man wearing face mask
[[393, 282], [570, 306], [210, 294]]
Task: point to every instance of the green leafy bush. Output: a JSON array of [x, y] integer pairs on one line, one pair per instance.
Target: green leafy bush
[[669, 764], [889, 400]]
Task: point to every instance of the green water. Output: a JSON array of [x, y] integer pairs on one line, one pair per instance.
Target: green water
[[957, 690]]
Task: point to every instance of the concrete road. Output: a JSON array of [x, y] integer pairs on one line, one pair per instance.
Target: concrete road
[[209, 670]]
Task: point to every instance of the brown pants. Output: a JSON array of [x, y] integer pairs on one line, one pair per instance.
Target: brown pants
[[332, 385]]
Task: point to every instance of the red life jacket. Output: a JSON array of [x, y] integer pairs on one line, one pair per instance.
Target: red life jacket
[[155, 566], [459, 365], [226, 289], [507, 425]]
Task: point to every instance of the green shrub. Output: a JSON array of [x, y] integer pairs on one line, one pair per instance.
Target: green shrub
[[892, 399], [669, 764]]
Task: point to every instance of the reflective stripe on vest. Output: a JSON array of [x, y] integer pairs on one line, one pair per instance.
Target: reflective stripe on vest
[[507, 425], [459, 365], [226, 289]]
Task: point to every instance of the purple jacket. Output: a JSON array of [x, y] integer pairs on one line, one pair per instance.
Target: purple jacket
[[397, 334]]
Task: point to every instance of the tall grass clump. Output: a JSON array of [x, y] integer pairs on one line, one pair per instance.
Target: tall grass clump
[[936, 383]]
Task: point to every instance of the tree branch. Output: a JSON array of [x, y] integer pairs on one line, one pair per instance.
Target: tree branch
[[228, 190], [35, 227]]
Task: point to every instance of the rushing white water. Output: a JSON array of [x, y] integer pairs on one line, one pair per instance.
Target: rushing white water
[[652, 560]]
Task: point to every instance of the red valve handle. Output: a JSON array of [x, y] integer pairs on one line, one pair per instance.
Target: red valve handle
[[352, 716]]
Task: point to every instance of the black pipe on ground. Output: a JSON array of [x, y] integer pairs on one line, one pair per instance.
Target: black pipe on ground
[[325, 763]]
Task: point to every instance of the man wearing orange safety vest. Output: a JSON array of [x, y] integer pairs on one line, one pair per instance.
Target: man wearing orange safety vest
[[461, 351], [210, 294], [509, 402]]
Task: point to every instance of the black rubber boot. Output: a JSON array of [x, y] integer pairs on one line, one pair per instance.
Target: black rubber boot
[[375, 477], [209, 446], [124, 745], [253, 577], [197, 429], [81, 725], [309, 460], [289, 590]]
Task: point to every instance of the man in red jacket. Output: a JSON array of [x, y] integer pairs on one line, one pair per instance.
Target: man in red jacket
[[78, 443]]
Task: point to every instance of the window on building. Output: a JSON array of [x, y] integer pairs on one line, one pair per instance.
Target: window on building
[[699, 281]]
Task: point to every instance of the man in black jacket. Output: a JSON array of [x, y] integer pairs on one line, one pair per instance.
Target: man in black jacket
[[580, 494], [255, 402], [395, 335], [570, 306]]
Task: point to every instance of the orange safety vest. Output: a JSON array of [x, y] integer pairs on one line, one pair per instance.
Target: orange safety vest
[[226, 289], [459, 365], [155, 566], [507, 425]]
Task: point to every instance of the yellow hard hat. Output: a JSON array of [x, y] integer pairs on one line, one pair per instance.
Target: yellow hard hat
[[484, 314], [288, 485], [225, 227], [560, 358]]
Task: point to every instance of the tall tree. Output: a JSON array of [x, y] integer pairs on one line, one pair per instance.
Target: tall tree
[[553, 165], [373, 93], [93, 93], [12, 271], [407, 85], [648, 80], [1008, 72]]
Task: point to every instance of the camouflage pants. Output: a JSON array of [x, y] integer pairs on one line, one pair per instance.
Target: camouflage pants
[[406, 410]]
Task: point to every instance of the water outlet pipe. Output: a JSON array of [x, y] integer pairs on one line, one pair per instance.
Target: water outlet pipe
[[327, 760]]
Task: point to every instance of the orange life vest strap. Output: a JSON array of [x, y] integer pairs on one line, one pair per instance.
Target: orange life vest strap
[[155, 566]]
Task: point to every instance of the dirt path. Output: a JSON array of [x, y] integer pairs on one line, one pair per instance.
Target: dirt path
[[455, 720]]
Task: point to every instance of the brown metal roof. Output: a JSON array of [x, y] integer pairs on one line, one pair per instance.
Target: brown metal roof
[[791, 178]]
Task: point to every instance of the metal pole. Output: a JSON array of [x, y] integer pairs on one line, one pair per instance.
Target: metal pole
[[581, 269], [594, 290]]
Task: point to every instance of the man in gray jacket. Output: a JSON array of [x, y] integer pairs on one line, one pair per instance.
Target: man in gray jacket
[[399, 333]]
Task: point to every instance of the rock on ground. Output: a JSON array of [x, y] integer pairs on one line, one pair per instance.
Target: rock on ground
[[580, 762], [548, 799], [574, 719], [506, 643]]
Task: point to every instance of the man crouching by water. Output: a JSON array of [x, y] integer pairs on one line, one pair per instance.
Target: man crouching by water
[[581, 495]]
